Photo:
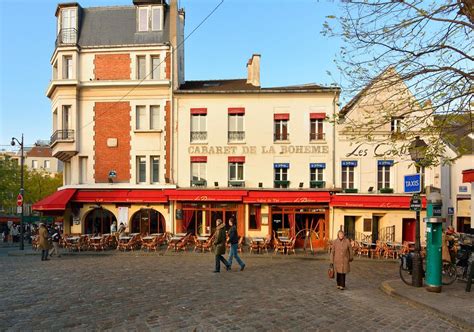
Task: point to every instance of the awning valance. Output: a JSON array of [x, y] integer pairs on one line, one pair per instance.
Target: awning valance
[[56, 201], [121, 196], [373, 201], [207, 195], [296, 197]]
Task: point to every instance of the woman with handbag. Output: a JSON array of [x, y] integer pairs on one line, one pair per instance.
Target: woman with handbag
[[341, 256]]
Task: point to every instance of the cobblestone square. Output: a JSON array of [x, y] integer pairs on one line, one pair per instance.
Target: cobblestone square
[[138, 291]]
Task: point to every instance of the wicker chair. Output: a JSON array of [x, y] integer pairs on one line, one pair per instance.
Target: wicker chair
[[278, 246], [290, 246], [267, 244], [254, 246]]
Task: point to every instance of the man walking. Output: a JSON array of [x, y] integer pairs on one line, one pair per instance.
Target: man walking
[[219, 243], [234, 245], [56, 236], [43, 242]]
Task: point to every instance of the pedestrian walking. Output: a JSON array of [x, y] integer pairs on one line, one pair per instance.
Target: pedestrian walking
[[341, 256], [219, 243], [234, 245], [55, 237], [43, 242]]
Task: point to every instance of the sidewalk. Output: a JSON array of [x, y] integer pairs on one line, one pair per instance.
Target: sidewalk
[[453, 303]]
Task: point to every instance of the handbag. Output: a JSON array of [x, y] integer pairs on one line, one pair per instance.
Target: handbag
[[331, 272]]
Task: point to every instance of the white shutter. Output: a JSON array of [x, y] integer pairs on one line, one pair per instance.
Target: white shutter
[[156, 18], [143, 19]]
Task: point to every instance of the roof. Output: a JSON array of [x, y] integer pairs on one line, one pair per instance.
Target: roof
[[241, 86], [115, 26], [40, 151], [456, 129]]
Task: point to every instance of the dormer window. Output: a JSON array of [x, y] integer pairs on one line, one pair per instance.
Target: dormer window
[[150, 18], [396, 125], [68, 25]]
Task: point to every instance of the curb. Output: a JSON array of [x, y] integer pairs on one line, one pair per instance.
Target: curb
[[456, 320]]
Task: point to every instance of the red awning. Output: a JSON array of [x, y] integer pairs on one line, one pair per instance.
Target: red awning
[[281, 116], [373, 201], [468, 176], [236, 110], [316, 116], [236, 159], [121, 196], [55, 202], [206, 195], [266, 196], [199, 159], [195, 111]]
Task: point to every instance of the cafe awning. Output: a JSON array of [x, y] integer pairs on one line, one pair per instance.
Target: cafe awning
[[120, 196], [297, 197], [55, 202], [373, 201], [206, 195]]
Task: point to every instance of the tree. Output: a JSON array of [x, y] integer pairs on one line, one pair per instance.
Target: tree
[[426, 45]]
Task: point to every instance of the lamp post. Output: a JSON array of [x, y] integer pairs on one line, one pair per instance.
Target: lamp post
[[22, 191], [417, 151]]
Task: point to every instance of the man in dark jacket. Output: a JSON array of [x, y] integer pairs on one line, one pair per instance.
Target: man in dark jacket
[[234, 245], [219, 243]]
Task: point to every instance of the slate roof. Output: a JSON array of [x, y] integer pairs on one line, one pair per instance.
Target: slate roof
[[115, 26], [241, 86]]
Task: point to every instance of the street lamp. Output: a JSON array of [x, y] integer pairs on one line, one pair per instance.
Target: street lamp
[[22, 191], [417, 151]]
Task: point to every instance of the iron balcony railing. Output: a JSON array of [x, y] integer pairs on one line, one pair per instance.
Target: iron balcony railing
[[234, 136], [66, 36], [62, 135], [197, 136], [317, 136], [281, 137]]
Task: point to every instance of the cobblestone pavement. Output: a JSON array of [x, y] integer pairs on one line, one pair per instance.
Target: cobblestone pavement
[[179, 292]]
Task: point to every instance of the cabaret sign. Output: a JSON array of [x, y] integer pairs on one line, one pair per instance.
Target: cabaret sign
[[250, 150], [379, 150]]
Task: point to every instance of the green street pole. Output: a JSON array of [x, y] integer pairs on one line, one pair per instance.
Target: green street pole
[[434, 237]]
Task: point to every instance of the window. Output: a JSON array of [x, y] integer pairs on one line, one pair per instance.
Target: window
[[68, 25], [396, 125], [82, 169], [140, 117], [155, 67], [141, 67], [281, 130], [155, 169], [254, 217], [316, 130], [236, 171], [34, 164], [47, 164], [149, 18], [281, 175], [198, 173], [198, 127], [154, 117], [67, 67], [367, 225], [236, 127], [55, 70], [383, 173], [316, 174], [66, 114], [141, 169], [347, 174]]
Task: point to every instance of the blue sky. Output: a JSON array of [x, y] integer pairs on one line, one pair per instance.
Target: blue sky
[[286, 34]]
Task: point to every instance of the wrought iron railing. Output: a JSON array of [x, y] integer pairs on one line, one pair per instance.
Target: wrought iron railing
[[62, 135], [198, 183], [317, 136], [66, 36], [281, 137], [236, 183], [236, 136], [197, 136]]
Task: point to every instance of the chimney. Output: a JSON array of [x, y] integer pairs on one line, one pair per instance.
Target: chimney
[[253, 70]]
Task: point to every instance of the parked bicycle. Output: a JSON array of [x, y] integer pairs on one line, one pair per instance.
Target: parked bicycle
[[406, 270], [461, 268]]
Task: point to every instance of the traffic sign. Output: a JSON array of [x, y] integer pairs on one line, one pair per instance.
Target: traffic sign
[[412, 183], [19, 209], [415, 203], [19, 200], [450, 211]]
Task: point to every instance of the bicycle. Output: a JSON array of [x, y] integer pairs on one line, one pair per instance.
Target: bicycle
[[406, 270], [461, 268]]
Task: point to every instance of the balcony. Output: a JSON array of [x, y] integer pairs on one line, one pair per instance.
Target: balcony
[[236, 183], [198, 183], [198, 136], [236, 136], [317, 184], [281, 184], [66, 36], [63, 144], [317, 136], [278, 137]]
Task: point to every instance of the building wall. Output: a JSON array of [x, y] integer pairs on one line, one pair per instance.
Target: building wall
[[259, 149]]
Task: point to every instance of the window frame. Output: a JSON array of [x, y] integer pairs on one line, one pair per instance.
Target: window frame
[[238, 166], [278, 126], [141, 161], [384, 171], [201, 169], [67, 67], [318, 126], [153, 178], [346, 180], [151, 25]]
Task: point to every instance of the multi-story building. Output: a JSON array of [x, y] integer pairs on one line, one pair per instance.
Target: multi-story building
[[40, 159], [142, 146]]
